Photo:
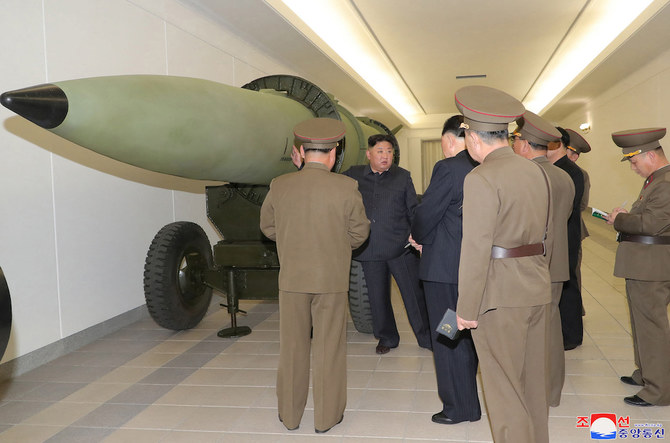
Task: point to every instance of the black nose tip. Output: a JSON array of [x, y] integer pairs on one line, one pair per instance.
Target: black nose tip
[[45, 105]]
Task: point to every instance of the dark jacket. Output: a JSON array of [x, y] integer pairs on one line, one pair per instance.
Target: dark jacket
[[575, 220], [390, 200], [438, 219]]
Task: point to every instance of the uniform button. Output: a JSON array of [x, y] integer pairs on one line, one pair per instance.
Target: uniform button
[[372, 221]]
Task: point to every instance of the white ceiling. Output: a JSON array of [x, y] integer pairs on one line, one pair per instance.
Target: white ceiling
[[431, 42]]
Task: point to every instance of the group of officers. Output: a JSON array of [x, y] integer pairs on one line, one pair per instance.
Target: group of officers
[[499, 239]]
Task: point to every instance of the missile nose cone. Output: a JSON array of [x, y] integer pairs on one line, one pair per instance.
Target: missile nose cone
[[45, 105]]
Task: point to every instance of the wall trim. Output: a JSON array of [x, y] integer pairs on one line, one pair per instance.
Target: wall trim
[[52, 351]]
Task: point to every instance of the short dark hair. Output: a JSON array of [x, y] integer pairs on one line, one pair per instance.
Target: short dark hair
[[374, 139], [453, 126], [565, 137], [492, 136], [322, 150], [537, 146]]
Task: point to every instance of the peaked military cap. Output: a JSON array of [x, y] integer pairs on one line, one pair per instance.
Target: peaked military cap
[[319, 133], [578, 143], [637, 141], [487, 109], [535, 129]]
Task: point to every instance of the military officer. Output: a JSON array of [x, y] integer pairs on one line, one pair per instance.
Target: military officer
[[643, 259], [571, 298], [530, 141], [504, 285], [317, 218]]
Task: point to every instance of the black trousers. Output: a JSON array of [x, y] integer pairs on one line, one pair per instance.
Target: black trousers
[[570, 305], [455, 360], [405, 271]]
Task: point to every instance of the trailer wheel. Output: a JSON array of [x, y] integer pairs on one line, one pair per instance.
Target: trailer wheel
[[359, 303], [5, 314], [174, 288]]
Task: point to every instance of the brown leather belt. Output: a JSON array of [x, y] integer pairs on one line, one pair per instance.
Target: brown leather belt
[[646, 239], [521, 251]]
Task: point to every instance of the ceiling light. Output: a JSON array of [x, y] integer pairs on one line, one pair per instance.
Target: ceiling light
[[599, 24], [349, 42]]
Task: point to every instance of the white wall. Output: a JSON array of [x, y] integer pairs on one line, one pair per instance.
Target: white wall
[[76, 226], [640, 100]]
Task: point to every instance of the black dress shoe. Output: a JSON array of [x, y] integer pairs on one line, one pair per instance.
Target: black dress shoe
[[443, 419], [381, 349], [636, 401], [571, 346], [629, 380], [326, 430]]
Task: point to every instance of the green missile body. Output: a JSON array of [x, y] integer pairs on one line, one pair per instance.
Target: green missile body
[[189, 127]]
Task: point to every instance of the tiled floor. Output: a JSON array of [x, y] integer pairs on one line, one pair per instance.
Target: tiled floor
[[147, 384]]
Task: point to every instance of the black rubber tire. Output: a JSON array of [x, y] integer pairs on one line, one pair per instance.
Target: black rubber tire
[[359, 303], [174, 288], [5, 314]]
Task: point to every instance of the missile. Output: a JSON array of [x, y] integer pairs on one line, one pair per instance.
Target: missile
[[190, 127]]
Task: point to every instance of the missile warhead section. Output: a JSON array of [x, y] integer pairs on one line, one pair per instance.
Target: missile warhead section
[[187, 127]]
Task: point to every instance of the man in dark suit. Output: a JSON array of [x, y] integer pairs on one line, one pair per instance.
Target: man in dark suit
[[643, 259], [437, 230], [390, 199], [578, 146], [317, 218], [571, 297], [504, 285]]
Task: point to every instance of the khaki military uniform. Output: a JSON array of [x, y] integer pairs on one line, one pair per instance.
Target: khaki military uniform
[[317, 218], [505, 204], [646, 268], [562, 195]]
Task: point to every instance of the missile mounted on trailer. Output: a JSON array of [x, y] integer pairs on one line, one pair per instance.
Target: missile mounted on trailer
[[203, 130]]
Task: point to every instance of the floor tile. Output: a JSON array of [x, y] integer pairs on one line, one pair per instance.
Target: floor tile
[[109, 416], [29, 434], [53, 391], [164, 417], [136, 435], [80, 435], [215, 419], [14, 412], [386, 400]]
